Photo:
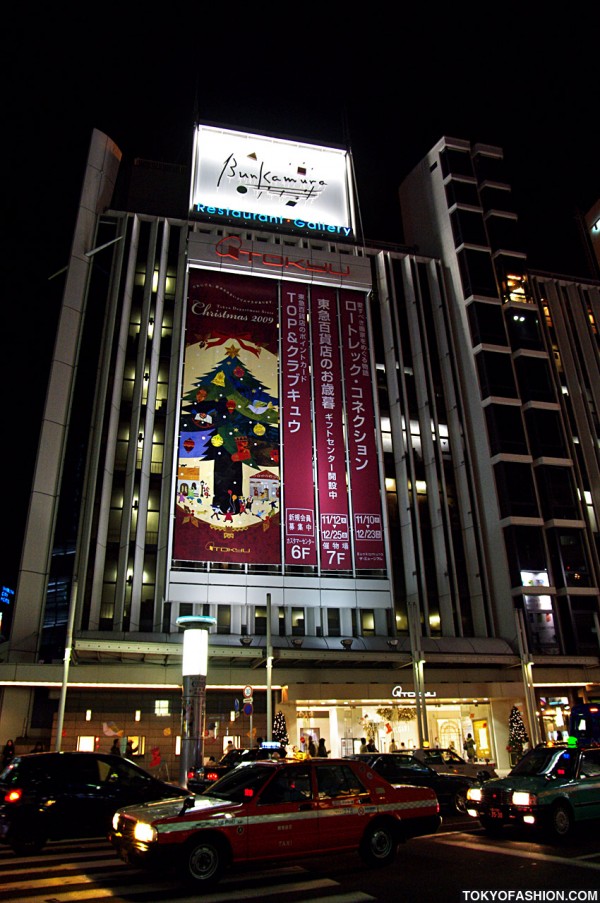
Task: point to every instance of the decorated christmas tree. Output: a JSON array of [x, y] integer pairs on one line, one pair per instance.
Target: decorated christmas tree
[[517, 735], [280, 729], [238, 419]]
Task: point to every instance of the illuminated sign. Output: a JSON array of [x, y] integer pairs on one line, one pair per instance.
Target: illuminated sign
[[273, 183], [399, 693]]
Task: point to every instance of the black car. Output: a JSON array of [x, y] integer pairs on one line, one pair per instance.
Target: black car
[[404, 768], [56, 795], [198, 779]]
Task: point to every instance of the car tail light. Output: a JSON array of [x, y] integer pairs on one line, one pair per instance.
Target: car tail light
[[211, 775], [13, 796]]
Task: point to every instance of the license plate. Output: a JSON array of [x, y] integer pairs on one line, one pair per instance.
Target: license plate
[[495, 813]]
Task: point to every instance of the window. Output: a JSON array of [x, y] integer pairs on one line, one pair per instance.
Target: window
[[161, 707], [297, 622], [590, 766], [367, 622], [514, 284], [527, 556], [504, 233], [487, 324], [496, 376], [337, 780], [557, 493], [546, 438], [86, 744], [569, 558], [505, 429], [333, 622], [260, 621], [489, 169], [291, 785], [224, 619], [524, 329], [477, 273], [456, 162], [516, 493], [541, 630], [462, 193], [494, 197], [467, 228], [535, 382]]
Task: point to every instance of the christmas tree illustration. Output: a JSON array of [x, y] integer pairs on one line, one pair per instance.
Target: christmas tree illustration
[[239, 420]]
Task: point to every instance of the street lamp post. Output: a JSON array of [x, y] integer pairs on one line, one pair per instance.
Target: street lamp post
[[193, 703]]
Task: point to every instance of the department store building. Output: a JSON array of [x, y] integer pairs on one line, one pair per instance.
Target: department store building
[[376, 468]]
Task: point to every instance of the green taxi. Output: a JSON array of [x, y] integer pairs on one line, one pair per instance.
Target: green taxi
[[553, 787]]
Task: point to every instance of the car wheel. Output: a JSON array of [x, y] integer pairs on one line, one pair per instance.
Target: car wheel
[[28, 845], [561, 821], [379, 844], [460, 802], [491, 827], [204, 861]]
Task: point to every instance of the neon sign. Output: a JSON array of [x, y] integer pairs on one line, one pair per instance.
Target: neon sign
[[231, 246], [282, 184]]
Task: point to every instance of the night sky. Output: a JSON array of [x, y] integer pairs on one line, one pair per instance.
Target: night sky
[[387, 89]]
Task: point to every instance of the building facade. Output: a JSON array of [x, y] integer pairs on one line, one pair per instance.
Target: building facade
[[376, 469]]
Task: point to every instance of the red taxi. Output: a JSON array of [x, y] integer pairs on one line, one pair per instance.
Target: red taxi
[[270, 810]]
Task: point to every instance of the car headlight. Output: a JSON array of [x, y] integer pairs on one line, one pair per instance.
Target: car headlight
[[144, 833], [474, 793], [115, 821], [522, 798]]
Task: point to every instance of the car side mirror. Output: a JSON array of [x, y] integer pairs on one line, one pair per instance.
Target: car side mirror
[[188, 803]]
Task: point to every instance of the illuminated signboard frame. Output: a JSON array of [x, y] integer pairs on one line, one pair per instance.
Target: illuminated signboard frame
[[271, 183]]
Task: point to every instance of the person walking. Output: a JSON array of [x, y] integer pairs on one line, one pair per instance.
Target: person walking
[[393, 746], [470, 748], [322, 750], [312, 749], [115, 749], [363, 745]]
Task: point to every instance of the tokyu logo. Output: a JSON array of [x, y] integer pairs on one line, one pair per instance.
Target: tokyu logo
[[399, 693]]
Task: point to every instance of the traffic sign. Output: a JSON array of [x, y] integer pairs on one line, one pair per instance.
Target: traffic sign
[[248, 692]]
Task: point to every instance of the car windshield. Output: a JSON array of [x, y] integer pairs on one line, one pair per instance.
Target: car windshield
[[551, 761], [240, 784]]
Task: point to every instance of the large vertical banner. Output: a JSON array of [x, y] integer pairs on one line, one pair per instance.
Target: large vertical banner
[[329, 427], [362, 450], [228, 482], [296, 426]]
